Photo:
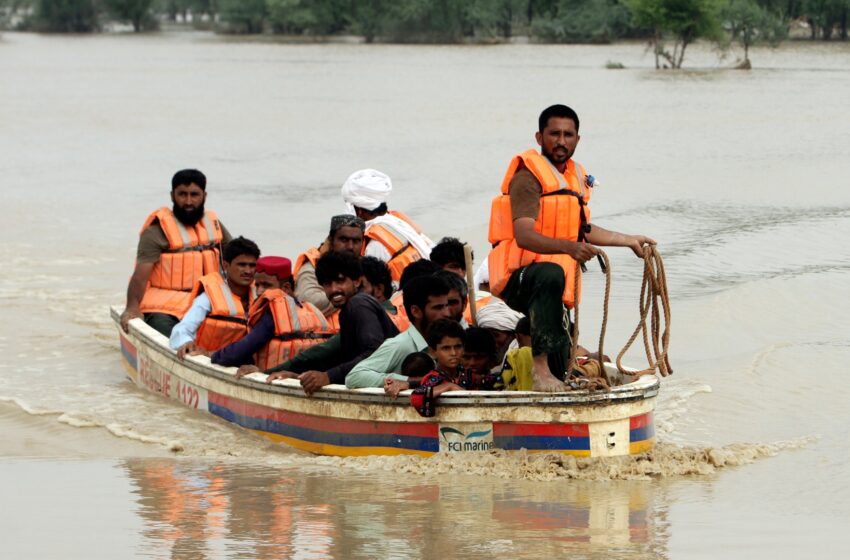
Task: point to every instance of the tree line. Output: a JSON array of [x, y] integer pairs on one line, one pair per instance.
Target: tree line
[[669, 25]]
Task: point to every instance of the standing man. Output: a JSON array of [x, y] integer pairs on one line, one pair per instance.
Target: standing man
[[176, 247], [540, 228], [390, 235], [345, 236]]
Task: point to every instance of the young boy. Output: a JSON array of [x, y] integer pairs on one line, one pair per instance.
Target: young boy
[[479, 357], [445, 350]]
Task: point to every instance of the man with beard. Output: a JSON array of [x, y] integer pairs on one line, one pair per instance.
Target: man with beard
[[345, 236], [176, 247], [540, 230], [363, 321], [425, 300]]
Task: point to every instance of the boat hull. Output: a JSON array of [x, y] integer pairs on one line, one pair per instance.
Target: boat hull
[[338, 421]]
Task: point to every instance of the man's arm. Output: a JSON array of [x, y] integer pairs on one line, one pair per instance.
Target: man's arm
[[185, 331], [605, 238], [527, 238], [307, 288], [242, 351], [369, 334], [372, 371], [135, 292]]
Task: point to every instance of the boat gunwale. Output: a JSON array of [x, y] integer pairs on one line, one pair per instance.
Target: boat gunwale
[[202, 366]]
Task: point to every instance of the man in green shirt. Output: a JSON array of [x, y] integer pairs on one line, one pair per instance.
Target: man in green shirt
[[426, 299]]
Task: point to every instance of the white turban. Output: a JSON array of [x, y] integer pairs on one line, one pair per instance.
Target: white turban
[[497, 315], [366, 189]]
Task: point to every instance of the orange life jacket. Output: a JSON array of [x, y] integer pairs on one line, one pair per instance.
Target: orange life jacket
[[312, 256], [333, 320], [297, 325], [400, 319], [563, 215], [401, 251], [227, 322], [467, 312], [193, 251]]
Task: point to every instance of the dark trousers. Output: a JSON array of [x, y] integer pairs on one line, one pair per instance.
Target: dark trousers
[[161, 322], [537, 290]]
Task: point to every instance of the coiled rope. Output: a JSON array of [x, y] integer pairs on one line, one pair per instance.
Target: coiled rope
[[654, 299]]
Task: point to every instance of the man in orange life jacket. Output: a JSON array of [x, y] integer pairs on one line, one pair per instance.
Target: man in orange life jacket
[[345, 236], [219, 312], [273, 276], [185, 238], [534, 272], [364, 323], [390, 235]]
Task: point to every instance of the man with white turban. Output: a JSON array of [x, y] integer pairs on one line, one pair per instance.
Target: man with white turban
[[390, 235], [501, 321]]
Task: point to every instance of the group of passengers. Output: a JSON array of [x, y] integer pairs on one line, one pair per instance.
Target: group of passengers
[[377, 303]]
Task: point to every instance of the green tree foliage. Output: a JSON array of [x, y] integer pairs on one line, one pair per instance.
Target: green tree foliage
[[748, 23], [678, 23], [138, 13], [594, 21], [314, 17], [827, 16], [65, 16], [242, 16]]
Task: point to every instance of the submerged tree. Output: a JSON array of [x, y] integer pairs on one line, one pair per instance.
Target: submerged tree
[[65, 16], [676, 22], [138, 13], [749, 24]]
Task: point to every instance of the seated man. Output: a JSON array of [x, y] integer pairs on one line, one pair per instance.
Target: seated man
[[364, 322], [425, 300], [271, 338], [445, 340], [375, 279], [176, 247], [219, 312], [345, 236], [458, 296], [501, 321], [449, 255], [390, 235]]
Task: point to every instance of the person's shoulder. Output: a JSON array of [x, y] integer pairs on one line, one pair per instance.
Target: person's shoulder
[[525, 179], [362, 300]]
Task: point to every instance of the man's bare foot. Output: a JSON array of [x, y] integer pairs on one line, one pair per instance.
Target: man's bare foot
[[546, 383]]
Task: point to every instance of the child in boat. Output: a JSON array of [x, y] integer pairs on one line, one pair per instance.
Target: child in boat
[[479, 359], [445, 340]]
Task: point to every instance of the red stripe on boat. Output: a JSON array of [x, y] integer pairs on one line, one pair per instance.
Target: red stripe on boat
[[642, 421], [128, 346], [556, 430], [339, 425]]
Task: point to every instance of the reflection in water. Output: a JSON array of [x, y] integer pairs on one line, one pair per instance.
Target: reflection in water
[[192, 509]]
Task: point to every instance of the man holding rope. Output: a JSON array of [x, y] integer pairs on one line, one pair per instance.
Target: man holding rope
[[541, 232]]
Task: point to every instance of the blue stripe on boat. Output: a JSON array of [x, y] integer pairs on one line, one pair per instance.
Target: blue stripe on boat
[[642, 434], [542, 442], [330, 438]]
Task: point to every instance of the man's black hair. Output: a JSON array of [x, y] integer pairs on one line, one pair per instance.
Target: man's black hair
[[455, 282], [523, 326], [239, 246], [448, 250], [418, 290], [376, 272], [479, 341], [417, 364], [422, 267], [331, 266], [187, 177], [559, 111], [442, 328]]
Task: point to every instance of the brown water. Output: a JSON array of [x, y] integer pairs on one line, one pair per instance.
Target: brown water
[[741, 177]]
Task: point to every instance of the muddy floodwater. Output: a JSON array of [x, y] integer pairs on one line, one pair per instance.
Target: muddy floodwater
[[742, 177]]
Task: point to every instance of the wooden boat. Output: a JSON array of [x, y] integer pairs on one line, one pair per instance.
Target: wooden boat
[[340, 421]]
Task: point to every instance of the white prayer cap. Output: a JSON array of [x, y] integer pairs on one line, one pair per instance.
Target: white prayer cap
[[367, 189], [497, 315]]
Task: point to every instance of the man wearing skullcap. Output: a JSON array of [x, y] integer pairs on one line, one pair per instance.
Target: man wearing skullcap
[[345, 236], [390, 235]]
